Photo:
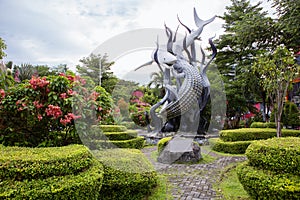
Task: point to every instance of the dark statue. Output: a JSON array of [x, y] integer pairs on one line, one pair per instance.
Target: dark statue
[[183, 103]]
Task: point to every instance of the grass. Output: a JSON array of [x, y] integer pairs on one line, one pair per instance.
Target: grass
[[230, 186], [162, 190]]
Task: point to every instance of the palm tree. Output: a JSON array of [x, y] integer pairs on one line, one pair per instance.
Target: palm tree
[[157, 79]]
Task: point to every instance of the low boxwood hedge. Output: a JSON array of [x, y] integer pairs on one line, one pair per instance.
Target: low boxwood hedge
[[134, 143], [238, 147], [128, 174], [84, 185], [18, 163], [276, 154], [162, 143], [265, 184], [263, 125], [113, 128], [125, 135], [246, 134]]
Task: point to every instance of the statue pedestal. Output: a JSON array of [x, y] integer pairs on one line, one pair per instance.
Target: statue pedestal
[[180, 150]]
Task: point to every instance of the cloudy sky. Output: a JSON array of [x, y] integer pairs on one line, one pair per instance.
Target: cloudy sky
[[62, 32]]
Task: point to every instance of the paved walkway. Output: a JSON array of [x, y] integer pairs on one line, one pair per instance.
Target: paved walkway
[[193, 181]]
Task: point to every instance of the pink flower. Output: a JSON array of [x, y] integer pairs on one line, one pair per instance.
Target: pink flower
[[63, 95], [2, 93], [40, 117], [37, 82], [71, 92], [37, 104], [54, 111]]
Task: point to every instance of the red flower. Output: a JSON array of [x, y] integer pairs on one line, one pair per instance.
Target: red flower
[[54, 111], [2, 93], [63, 95], [37, 104], [40, 117], [37, 82]]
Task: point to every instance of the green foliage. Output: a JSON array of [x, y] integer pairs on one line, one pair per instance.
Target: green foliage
[[264, 184], [90, 67], [128, 174], [238, 147], [125, 135], [248, 30], [277, 69], [133, 143], [19, 163], [2, 48], [289, 14], [104, 103], [291, 115], [248, 134], [113, 128], [42, 111], [278, 155], [162, 144], [112, 136], [263, 125], [68, 172], [85, 185]]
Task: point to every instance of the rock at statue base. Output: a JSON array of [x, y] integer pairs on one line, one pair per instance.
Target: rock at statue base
[[180, 150]]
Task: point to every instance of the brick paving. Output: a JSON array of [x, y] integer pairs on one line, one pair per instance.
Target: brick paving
[[193, 181]]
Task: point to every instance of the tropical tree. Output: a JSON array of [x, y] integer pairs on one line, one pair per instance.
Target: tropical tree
[[97, 68], [288, 22], [157, 79], [248, 30], [277, 70]]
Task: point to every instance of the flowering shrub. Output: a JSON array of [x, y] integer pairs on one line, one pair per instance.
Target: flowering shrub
[[42, 111], [138, 108]]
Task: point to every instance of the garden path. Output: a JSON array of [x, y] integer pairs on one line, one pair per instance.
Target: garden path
[[193, 181]]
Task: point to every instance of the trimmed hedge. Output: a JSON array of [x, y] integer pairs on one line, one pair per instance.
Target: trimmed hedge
[[238, 147], [265, 184], [246, 134], [263, 125], [126, 135], [84, 185], [128, 174], [162, 144], [18, 163], [276, 154], [113, 128], [134, 143]]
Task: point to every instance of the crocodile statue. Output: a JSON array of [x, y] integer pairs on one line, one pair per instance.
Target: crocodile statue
[[189, 97]]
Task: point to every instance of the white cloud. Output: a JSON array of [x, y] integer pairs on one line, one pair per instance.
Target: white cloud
[[58, 31]]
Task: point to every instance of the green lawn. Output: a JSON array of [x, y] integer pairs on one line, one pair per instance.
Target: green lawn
[[229, 185]]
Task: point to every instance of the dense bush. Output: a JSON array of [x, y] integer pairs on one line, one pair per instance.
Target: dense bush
[[84, 185], [263, 125], [49, 173], [125, 135], [134, 143], [113, 128], [18, 163], [238, 147], [128, 174], [291, 115], [163, 143], [265, 184], [280, 155], [246, 134], [42, 111]]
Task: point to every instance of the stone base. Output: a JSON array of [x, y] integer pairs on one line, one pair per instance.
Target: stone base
[[181, 150]]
